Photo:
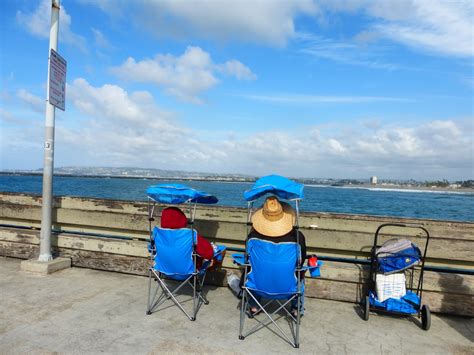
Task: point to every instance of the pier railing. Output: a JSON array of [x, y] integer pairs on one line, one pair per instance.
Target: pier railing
[[112, 235]]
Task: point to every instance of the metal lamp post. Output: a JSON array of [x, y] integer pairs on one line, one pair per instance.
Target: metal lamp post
[[48, 165]]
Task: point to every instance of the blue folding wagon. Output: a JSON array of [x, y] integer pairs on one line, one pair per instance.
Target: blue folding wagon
[[394, 267]]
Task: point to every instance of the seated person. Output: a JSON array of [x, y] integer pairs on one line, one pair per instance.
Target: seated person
[[174, 218], [275, 222]]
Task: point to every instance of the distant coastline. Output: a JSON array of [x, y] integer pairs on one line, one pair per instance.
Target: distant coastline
[[138, 177], [230, 179], [382, 187]]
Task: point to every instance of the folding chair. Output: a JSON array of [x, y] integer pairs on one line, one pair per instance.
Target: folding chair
[[174, 258], [271, 270], [173, 255]]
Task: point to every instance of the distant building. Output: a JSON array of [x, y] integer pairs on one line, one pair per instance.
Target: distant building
[[373, 180]]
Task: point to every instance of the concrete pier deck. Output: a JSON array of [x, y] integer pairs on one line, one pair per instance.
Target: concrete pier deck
[[86, 311]]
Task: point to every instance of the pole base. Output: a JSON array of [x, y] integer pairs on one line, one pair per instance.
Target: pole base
[[45, 267]]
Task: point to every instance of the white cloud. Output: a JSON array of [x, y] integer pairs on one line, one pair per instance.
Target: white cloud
[[114, 8], [354, 52], [122, 128], [34, 102], [38, 23], [185, 76], [21, 140], [432, 26], [321, 99], [444, 27], [261, 21], [434, 149], [112, 103], [6, 116], [237, 69], [258, 21], [113, 127], [336, 146], [100, 40]]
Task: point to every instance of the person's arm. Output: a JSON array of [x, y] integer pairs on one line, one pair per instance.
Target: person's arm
[[204, 248], [302, 241]]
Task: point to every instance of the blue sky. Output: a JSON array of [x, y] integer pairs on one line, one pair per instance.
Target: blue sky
[[343, 89]]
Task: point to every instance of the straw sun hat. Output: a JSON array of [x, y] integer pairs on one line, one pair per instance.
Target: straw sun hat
[[274, 219]]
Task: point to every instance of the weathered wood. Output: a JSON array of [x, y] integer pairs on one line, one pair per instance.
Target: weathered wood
[[71, 241], [106, 261], [19, 250], [352, 292], [462, 305], [341, 241]]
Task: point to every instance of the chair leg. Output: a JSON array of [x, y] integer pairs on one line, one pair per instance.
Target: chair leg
[[148, 311], [298, 320], [195, 303], [203, 298], [201, 286], [200, 296], [243, 307]]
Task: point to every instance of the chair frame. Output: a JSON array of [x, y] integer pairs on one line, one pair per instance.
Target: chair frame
[[195, 280]]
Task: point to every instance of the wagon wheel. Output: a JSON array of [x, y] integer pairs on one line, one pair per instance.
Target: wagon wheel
[[425, 317]]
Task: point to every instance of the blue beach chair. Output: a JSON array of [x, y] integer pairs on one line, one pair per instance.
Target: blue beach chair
[[173, 255], [272, 275]]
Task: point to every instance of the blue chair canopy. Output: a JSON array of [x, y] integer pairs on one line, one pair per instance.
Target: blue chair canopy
[[275, 184], [178, 193]]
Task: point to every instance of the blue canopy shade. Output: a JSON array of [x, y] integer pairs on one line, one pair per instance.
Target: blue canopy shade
[[178, 193], [275, 184]]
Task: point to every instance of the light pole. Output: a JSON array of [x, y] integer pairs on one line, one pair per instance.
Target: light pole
[[48, 164]]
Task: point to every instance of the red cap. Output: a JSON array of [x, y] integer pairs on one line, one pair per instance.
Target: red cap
[[173, 218]]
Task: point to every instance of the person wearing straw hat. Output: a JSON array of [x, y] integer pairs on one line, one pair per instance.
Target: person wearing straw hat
[[275, 222]]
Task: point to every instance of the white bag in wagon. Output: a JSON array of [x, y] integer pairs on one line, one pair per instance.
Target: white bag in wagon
[[390, 286]]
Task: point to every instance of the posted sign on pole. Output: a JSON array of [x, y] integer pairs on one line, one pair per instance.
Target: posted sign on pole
[[57, 80]]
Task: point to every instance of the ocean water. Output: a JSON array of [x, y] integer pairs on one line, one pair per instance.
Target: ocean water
[[454, 206]]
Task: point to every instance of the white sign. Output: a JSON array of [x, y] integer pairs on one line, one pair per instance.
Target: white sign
[[57, 80]]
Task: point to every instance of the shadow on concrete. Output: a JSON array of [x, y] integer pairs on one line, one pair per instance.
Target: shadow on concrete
[[359, 310], [184, 296], [450, 284]]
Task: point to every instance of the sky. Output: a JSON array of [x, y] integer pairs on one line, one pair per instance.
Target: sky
[[315, 89]]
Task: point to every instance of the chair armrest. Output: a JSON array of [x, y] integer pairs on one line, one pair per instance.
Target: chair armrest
[[219, 250], [238, 259], [151, 247], [315, 271]]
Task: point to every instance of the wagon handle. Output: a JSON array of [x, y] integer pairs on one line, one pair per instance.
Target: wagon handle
[[404, 225]]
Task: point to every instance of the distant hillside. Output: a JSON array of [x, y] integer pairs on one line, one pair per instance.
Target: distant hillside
[[132, 172]]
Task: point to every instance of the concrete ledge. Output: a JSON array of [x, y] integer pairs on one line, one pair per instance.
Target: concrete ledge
[[45, 267]]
